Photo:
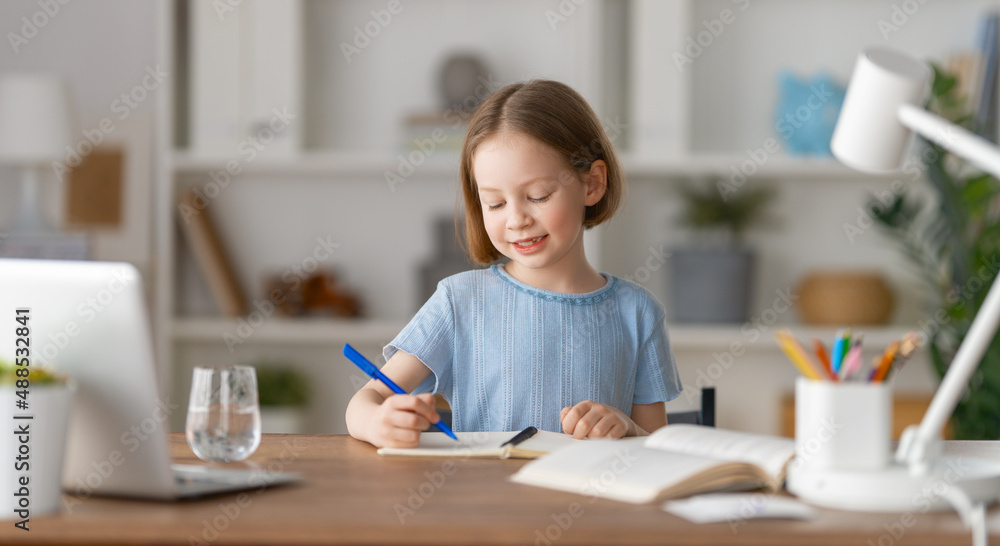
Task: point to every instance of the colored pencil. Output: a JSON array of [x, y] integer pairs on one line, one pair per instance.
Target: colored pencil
[[798, 355], [886, 363]]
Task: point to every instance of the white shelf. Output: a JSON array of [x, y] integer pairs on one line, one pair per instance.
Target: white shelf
[[319, 163], [376, 164], [693, 337], [309, 331], [683, 337], [777, 166]]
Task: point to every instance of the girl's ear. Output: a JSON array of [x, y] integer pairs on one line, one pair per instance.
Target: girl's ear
[[597, 182]]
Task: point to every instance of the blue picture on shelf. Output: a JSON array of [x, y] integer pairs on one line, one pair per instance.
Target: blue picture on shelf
[[807, 112]]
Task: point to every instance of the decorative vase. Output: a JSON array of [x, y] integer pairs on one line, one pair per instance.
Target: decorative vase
[[844, 298], [711, 285]]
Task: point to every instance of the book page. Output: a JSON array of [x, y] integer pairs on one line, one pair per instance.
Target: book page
[[771, 453], [627, 471]]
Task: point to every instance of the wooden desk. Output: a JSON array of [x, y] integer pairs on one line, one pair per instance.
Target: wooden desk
[[350, 495]]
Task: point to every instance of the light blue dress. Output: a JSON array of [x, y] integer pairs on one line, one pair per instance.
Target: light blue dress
[[506, 355]]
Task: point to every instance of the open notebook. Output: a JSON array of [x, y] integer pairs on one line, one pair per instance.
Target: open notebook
[[483, 445], [675, 461]]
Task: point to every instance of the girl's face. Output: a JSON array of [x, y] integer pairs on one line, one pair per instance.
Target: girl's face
[[533, 202]]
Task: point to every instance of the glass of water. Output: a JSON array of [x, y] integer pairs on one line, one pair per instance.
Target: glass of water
[[223, 418]]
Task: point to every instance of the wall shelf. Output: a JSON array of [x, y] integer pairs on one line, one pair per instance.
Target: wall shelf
[[692, 337], [319, 163], [295, 331], [445, 165], [327, 331]]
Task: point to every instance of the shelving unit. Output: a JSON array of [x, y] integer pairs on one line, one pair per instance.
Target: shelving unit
[[679, 125]]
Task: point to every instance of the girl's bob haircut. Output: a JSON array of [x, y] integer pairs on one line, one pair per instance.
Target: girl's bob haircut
[[550, 112]]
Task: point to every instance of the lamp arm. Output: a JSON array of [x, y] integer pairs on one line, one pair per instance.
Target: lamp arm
[[916, 446], [958, 140]]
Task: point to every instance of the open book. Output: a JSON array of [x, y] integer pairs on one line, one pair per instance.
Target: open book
[[483, 445], [675, 461]]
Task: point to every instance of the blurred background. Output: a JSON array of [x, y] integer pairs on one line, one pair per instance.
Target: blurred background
[[284, 173]]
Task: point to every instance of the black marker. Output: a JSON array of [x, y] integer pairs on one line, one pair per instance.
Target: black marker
[[520, 437]]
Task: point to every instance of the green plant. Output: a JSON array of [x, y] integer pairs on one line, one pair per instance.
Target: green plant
[[953, 240], [734, 211], [281, 385], [36, 375]]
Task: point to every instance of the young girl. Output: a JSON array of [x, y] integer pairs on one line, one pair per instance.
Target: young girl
[[544, 339]]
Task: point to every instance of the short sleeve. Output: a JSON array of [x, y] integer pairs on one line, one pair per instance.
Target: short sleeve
[[429, 336], [656, 374]]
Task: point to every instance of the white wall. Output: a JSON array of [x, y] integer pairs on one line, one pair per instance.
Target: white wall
[[103, 48]]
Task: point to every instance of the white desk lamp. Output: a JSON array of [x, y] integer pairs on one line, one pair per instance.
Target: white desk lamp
[[35, 129], [882, 106]]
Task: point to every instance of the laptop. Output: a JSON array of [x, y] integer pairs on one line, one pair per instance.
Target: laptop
[[89, 321]]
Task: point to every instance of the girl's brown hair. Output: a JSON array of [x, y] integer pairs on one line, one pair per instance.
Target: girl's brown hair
[[550, 112]]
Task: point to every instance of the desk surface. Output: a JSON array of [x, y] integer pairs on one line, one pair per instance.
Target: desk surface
[[351, 495]]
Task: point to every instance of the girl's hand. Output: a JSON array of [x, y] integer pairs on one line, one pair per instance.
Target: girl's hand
[[589, 419], [401, 418]]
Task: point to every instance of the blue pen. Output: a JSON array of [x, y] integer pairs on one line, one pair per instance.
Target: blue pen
[[373, 372]]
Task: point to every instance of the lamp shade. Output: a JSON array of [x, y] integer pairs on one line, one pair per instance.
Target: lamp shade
[[35, 124], [869, 135]]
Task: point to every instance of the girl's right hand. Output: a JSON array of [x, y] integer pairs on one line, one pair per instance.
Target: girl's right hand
[[401, 418]]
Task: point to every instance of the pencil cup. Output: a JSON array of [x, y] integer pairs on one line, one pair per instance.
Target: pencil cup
[[842, 426]]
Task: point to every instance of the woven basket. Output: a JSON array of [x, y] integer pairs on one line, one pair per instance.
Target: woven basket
[[845, 298]]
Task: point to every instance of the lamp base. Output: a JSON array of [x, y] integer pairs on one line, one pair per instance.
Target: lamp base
[[895, 488]]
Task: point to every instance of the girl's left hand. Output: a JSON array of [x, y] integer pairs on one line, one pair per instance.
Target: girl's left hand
[[589, 419]]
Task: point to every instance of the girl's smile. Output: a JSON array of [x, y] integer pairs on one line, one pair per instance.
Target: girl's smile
[[527, 246]]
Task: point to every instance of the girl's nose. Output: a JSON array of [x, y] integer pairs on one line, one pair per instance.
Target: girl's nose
[[517, 217]]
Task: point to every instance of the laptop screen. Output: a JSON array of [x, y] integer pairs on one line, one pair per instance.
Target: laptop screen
[[89, 322]]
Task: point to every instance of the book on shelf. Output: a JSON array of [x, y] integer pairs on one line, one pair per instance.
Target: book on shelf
[[483, 445], [985, 107], [210, 255], [675, 461]]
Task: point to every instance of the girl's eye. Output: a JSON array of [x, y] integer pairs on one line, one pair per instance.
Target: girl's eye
[[494, 207], [541, 199]]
